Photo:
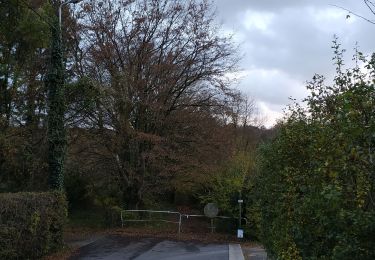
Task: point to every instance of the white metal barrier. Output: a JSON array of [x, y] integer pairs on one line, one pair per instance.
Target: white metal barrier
[[150, 220], [180, 216]]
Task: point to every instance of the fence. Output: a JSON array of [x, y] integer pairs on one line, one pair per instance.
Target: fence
[[150, 220], [180, 216]]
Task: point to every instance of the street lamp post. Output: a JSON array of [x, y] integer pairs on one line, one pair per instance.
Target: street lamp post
[[56, 133]]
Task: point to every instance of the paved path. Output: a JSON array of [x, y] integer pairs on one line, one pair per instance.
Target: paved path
[[254, 253], [235, 252], [115, 247]]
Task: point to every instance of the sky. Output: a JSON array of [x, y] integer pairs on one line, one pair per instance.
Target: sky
[[283, 43]]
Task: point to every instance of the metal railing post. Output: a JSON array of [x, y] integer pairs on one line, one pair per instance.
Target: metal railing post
[[179, 223]]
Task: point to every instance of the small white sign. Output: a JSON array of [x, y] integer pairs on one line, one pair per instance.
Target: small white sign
[[240, 201], [239, 233]]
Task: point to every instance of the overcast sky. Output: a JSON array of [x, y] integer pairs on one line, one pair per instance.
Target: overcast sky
[[285, 42]]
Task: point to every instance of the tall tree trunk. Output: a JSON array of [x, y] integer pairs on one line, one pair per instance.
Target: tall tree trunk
[[31, 119], [56, 104], [132, 195], [5, 100]]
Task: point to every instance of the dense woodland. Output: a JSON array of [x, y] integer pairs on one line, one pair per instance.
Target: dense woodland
[[153, 120], [150, 111]]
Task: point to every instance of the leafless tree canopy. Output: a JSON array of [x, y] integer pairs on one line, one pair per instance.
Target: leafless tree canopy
[[160, 70]]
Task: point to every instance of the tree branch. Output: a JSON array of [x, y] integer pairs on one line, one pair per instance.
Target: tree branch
[[370, 5], [355, 14]]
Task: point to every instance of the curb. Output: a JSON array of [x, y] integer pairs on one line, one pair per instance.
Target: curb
[[235, 252], [84, 242]]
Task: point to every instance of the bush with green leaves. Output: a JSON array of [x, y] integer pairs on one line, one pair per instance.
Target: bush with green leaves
[[226, 185], [313, 194], [31, 224]]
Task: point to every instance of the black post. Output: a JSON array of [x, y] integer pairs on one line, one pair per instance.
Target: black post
[[240, 207]]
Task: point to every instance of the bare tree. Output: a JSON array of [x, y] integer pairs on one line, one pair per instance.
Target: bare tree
[[160, 67]]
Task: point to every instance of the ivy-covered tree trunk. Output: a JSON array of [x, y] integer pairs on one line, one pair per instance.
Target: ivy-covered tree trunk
[[56, 110], [5, 98]]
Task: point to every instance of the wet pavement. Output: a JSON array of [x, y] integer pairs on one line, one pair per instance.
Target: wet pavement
[[117, 247]]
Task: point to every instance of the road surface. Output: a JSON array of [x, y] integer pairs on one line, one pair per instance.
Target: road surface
[[116, 247]]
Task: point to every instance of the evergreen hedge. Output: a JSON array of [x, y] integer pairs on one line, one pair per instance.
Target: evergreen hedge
[[31, 224], [314, 188]]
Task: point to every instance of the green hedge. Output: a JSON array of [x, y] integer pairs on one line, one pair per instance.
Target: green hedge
[[31, 224], [312, 196]]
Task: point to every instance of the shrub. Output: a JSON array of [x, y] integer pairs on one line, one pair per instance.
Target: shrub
[[31, 224], [225, 186], [314, 187]]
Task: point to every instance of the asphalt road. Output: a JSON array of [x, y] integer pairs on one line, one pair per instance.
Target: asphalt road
[[116, 247]]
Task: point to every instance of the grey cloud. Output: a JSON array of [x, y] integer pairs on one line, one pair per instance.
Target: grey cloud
[[292, 37], [227, 8], [298, 45], [272, 86]]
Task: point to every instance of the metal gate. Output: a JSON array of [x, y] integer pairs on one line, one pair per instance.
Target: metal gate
[[179, 217]]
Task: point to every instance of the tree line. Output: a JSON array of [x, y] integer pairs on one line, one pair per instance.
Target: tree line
[[149, 107]]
